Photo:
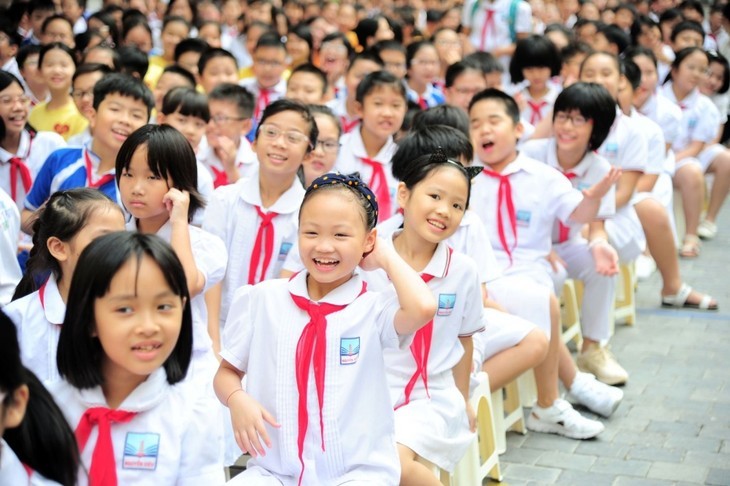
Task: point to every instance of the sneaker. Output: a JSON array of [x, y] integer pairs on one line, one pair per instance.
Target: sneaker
[[601, 363], [562, 419], [645, 266], [707, 230], [594, 395]]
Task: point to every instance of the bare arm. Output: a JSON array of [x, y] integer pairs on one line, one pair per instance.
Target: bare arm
[[588, 208], [462, 372], [213, 303], [177, 203], [626, 187], [692, 150]]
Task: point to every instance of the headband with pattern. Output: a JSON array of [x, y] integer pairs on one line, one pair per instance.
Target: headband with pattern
[[439, 157], [352, 181]]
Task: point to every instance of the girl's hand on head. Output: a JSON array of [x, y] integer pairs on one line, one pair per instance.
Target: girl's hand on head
[[605, 257], [601, 188], [248, 418], [377, 258], [177, 203]]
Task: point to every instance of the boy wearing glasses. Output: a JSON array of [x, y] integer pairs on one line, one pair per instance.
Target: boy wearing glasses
[[82, 91], [225, 151], [267, 84]]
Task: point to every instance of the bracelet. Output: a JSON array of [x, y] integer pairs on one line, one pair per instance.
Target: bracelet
[[232, 393], [597, 241]]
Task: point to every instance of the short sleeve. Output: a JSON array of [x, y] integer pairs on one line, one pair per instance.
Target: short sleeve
[[564, 198], [216, 213], [708, 122], [479, 248], [41, 189], [467, 14], [211, 257], [656, 149], [471, 321], [634, 154], [387, 306], [202, 452], [239, 329], [293, 262], [523, 23]]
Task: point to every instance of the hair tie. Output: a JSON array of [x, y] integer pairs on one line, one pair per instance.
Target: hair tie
[[352, 181]]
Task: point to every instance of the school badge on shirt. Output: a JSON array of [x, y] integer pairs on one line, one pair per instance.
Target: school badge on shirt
[[349, 350], [446, 304], [523, 218], [141, 450], [284, 250]]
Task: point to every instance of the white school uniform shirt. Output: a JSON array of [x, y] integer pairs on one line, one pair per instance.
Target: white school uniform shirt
[[13, 472], [352, 150], [498, 33], [590, 170], [276, 92], [11, 66], [167, 442], [210, 258], [10, 273], [231, 215], [540, 195], [700, 118], [339, 108], [33, 151], [246, 161], [261, 340], [81, 139], [655, 144], [722, 103], [622, 148], [536, 110], [39, 327], [664, 113], [470, 239]]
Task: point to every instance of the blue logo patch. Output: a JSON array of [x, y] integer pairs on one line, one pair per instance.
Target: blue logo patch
[[523, 217], [693, 122], [349, 350], [141, 451], [582, 186], [284, 250], [611, 151], [446, 304]]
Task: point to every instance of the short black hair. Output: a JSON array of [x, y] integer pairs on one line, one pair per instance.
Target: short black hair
[[233, 93], [303, 31], [510, 105], [718, 58], [285, 104], [311, 69], [681, 56], [389, 45], [169, 156], [376, 80], [573, 49], [639, 22], [366, 55], [593, 102], [56, 45], [448, 115], [212, 53], [627, 6], [180, 71], [414, 47], [486, 62], [270, 39], [55, 17], [80, 355], [616, 36], [670, 15], [124, 85], [191, 44], [692, 5], [453, 142], [324, 110], [187, 102], [89, 68], [534, 51], [687, 25], [636, 51], [174, 18], [11, 31], [133, 61], [45, 5], [457, 69], [631, 71], [26, 51]]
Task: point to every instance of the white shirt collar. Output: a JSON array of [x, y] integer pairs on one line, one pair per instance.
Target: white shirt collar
[[146, 396], [345, 294], [438, 265], [288, 203], [23, 148], [358, 147]]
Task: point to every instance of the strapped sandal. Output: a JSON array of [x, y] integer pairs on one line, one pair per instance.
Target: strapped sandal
[[690, 247], [679, 300]]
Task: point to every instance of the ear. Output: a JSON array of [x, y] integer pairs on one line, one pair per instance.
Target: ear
[[402, 194], [14, 413], [58, 249], [92, 119], [247, 125], [370, 239], [160, 118], [358, 109], [519, 130]]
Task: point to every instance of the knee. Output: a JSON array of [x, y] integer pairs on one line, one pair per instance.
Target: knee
[[536, 347], [721, 165], [689, 177]]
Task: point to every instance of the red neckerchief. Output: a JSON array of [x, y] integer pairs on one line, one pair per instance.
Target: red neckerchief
[[105, 179], [504, 197], [563, 230], [266, 230], [379, 185], [103, 471]]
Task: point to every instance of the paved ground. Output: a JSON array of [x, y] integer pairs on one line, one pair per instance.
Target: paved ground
[[673, 426]]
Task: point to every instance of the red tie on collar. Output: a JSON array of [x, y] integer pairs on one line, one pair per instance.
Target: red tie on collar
[[18, 167], [262, 102], [379, 185], [103, 470], [504, 197], [682, 106], [348, 126], [266, 229], [420, 349], [536, 110], [90, 174], [488, 25], [312, 351], [422, 103], [563, 230], [221, 178]]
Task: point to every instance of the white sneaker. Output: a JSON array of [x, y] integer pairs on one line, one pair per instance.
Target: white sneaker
[[596, 396], [562, 419], [602, 364], [645, 266], [707, 230]]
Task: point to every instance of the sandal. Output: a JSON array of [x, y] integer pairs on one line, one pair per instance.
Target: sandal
[[707, 230], [690, 247], [679, 300]]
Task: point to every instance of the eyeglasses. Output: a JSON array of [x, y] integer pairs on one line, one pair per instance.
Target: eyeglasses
[[268, 63], [81, 94], [394, 65], [11, 100], [426, 62], [272, 132], [220, 119], [329, 146], [577, 120]]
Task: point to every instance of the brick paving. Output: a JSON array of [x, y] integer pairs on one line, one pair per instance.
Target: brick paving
[[673, 426]]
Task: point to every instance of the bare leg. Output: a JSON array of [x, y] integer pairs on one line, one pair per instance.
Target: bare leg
[[413, 472], [507, 365], [720, 167], [691, 184], [546, 373]]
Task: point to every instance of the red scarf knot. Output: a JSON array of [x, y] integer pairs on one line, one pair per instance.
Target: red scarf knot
[[504, 198], [19, 168], [379, 185], [536, 110], [266, 231]]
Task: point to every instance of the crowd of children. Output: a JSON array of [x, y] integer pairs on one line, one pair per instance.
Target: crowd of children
[[298, 229]]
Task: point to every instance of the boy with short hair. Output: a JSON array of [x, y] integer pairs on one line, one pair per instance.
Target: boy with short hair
[[307, 84], [527, 198], [82, 92], [345, 107], [393, 54], [225, 151], [9, 48], [267, 84], [216, 66], [188, 52], [122, 104], [74, 11], [172, 76], [35, 87], [38, 12]]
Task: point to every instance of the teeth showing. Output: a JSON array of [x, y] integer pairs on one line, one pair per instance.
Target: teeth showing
[[150, 347], [122, 133], [276, 157], [324, 261], [436, 224]]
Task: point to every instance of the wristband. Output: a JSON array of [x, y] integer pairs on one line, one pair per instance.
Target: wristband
[[596, 242], [232, 393]]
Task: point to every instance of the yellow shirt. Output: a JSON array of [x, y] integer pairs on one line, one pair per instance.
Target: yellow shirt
[[65, 121], [154, 71]]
